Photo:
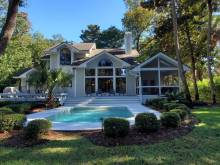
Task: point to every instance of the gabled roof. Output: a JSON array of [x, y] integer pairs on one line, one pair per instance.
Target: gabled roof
[[23, 73], [84, 63], [84, 46], [162, 55]]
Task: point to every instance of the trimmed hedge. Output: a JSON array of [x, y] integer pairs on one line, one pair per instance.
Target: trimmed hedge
[[157, 103], [20, 108], [36, 128], [116, 127], [182, 113], [12, 121], [6, 110], [147, 122], [170, 119]]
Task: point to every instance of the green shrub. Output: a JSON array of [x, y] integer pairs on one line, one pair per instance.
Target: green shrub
[[36, 128], [20, 108], [6, 110], [116, 127], [182, 113], [12, 121], [170, 119], [157, 103], [4, 103], [147, 122]]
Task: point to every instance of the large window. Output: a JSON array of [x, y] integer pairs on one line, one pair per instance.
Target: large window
[[105, 72], [90, 85], [149, 78], [159, 77], [105, 62], [90, 72], [65, 56], [121, 85]]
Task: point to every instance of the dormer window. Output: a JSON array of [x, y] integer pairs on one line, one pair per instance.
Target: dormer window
[[65, 56], [105, 62]]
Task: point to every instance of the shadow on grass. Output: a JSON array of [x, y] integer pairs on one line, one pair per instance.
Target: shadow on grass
[[201, 146]]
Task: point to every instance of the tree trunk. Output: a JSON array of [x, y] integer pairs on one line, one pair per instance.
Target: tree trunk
[[193, 63], [138, 42], [211, 81], [177, 47], [10, 24]]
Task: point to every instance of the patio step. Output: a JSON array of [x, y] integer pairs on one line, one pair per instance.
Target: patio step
[[107, 101]]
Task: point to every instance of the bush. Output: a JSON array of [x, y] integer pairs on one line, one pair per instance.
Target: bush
[[170, 119], [116, 127], [157, 103], [4, 103], [21, 108], [182, 113], [6, 110], [12, 121], [147, 122], [36, 128]]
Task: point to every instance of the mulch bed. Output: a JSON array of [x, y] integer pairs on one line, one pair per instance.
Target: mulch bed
[[17, 139], [136, 138]]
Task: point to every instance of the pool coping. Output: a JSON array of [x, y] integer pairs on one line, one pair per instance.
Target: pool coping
[[86, 126]]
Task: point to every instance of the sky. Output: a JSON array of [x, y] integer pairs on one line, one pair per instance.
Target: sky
[[69, 17]]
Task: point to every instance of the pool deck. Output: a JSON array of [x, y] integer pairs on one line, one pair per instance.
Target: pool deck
[[85, 126]]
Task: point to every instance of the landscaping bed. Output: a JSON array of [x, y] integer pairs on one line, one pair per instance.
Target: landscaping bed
[[136, 138]]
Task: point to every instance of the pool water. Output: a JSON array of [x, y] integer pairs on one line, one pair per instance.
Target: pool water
[[90, 114]]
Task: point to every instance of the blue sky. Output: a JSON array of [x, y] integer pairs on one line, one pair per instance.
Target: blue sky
[[69, 17]]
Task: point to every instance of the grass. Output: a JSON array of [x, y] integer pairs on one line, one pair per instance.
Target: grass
[[201, 146]]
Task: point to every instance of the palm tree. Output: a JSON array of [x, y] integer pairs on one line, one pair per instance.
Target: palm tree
[[49, 80], [177, 47], [212, 84]]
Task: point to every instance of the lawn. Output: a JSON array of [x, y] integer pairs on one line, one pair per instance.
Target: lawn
[[201, 146]]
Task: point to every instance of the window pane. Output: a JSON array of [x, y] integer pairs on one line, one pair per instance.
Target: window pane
[[121, 85], [65, 56], [90, 72], [169, 78], [149, 78], [150, 91], [105, 85], [105, 62], [120, 72], [152, 64], [90, 85], [105, 72], [168, 90], [166, 64]]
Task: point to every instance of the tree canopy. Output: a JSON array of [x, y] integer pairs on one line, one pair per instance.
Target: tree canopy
[[109, 38]]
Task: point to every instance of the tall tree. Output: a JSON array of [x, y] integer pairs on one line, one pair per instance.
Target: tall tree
[[10, 24], [109, 38], [177, 47], [209, 57], [91, 34], [138, 21]]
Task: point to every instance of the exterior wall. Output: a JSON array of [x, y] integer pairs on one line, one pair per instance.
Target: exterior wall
[[131, 84], [54, 63], [80, 82]]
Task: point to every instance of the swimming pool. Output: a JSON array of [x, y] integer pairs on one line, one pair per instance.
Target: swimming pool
[[90, 114]]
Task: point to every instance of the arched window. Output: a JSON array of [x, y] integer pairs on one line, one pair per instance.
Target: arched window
[[105, 62], [65, 56]]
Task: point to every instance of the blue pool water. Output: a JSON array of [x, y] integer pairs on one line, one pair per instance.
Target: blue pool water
[[90, 114]]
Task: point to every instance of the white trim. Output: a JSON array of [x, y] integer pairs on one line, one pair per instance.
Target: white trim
[[159, 55], [24, 75], [75, 83], [84, 65]]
